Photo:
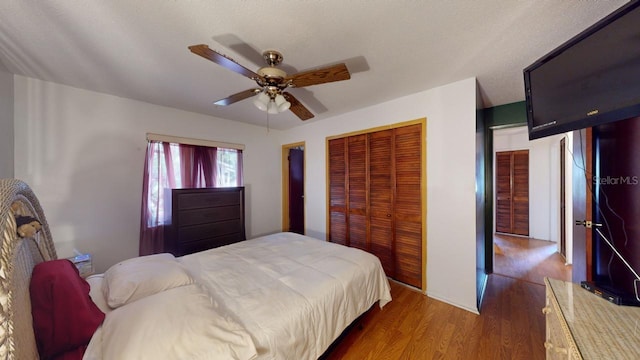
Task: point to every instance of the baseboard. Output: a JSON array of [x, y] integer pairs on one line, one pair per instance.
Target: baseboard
[[445, 300]]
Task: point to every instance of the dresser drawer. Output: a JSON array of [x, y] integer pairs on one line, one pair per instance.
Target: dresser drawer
[[201, 199], [203, 218]]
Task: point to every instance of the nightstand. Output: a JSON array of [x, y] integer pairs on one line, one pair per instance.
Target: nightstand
[[84, 264]]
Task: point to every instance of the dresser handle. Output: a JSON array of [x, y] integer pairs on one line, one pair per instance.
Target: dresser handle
[[546, 310], [561, 350]]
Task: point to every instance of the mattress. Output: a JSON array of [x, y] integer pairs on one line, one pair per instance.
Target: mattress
[[293, 294]]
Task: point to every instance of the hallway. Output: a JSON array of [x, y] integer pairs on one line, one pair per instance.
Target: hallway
[[528, 259]]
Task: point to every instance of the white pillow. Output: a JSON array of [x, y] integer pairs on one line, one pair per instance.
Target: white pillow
[[180, 323], [136, 278], [96, 294]]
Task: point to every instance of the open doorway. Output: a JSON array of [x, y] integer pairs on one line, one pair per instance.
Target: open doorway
[[563, 198], [293, 187], [536, 253]]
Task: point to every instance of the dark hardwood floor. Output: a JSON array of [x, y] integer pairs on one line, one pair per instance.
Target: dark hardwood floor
[[510, 325], [528, 259]]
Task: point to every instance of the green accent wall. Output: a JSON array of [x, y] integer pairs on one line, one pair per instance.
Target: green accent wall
[[509, 114], [497, 116]]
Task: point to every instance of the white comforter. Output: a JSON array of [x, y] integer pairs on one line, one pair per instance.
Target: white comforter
[[293, 294]]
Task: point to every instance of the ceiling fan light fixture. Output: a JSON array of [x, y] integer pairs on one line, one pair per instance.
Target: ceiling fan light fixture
[[272, 108], [272, 81], [262, 101], [282, 104]]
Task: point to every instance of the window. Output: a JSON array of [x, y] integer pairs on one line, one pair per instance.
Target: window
[[226, 166], [170, 165]]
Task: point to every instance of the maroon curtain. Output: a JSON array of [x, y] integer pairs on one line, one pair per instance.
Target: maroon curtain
[[206, 158], [197, 165], [186, 167], [151, 234]]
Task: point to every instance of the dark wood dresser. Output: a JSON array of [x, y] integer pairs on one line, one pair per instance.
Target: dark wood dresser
[[201, 219]]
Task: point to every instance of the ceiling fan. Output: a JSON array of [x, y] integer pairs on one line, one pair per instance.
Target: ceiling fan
[[272, 81]]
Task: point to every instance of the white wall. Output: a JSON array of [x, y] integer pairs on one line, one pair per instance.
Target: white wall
[[6, 124], [544, 178], [82, 153], [450, 210]]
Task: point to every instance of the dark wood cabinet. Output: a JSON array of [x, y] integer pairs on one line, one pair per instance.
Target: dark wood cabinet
[[202, 219], [375, 197]]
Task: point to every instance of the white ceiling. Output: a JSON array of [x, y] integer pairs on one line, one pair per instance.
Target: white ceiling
[[138, 48]]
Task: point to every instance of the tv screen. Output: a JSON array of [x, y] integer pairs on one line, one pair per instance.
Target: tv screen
[[592, 79]]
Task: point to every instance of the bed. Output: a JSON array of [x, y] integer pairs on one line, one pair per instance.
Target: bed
[[280, 296]]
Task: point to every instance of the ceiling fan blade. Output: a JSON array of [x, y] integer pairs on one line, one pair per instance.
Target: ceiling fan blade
[[297, 108], [223, 60], [237, 97], [337, 72]]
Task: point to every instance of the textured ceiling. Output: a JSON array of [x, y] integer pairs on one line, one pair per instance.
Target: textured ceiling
[[138, 49]]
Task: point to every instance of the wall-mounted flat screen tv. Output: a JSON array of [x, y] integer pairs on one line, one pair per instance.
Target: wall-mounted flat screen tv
[[593, 78]]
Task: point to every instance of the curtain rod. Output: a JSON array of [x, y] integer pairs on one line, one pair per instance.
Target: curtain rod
[[190, 141]]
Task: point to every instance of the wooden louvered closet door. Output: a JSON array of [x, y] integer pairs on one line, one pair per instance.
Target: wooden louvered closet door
[[381, 189], [503, 192], [381, 199], [357, 185], [337, 190], [512, 192], [408, 205]]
